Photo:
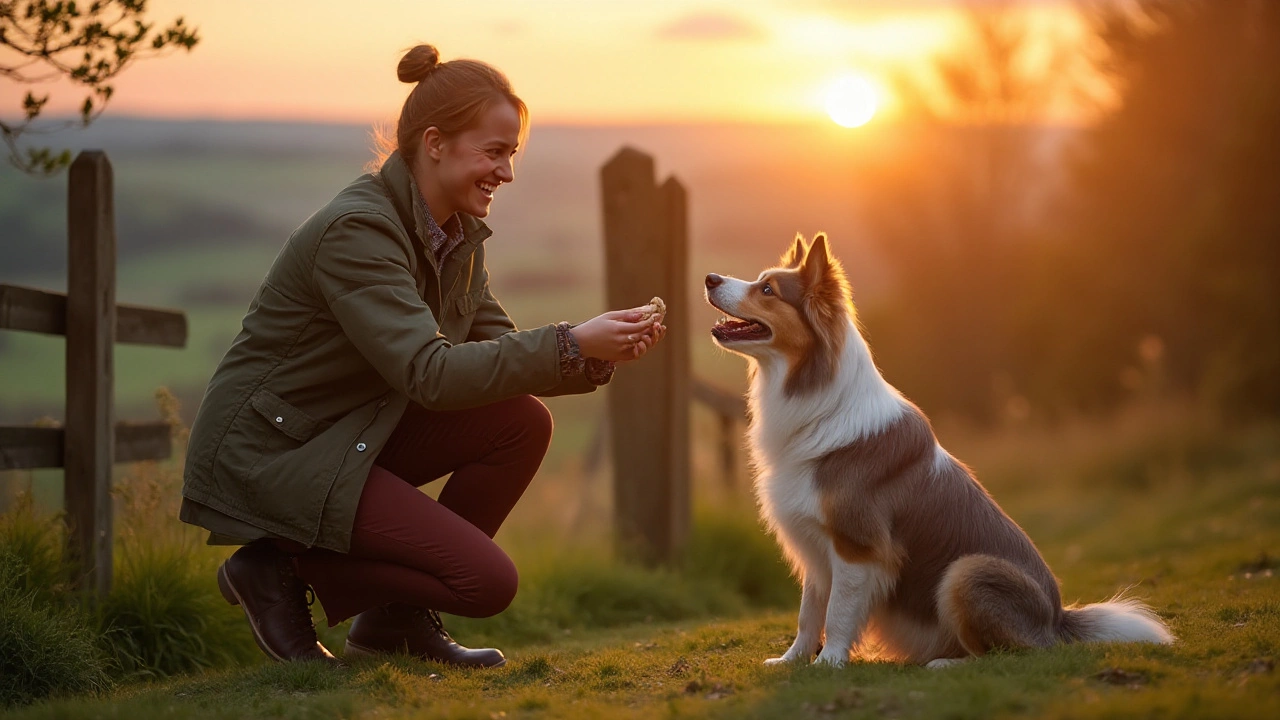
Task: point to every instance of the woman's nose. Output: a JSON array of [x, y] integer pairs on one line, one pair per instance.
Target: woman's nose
[[713, 280]]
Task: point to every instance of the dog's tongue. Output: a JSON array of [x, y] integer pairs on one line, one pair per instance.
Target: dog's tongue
[[735, 329]]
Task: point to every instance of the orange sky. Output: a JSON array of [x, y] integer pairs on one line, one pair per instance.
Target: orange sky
[[581, 61]]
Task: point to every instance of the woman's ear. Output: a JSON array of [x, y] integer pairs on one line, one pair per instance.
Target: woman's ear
[[433, 143]]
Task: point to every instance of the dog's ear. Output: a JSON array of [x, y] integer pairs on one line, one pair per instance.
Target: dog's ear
[[823, 273], [816, 260], [794, 257]]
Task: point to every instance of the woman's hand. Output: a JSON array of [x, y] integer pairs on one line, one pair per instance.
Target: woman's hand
[[619, 335], [650, 337]]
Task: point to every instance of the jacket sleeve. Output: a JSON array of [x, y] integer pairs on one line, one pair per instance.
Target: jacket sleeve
[[362, 274], [491, 321]]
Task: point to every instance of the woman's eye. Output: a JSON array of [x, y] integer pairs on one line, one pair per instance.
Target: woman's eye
[[767, 289]]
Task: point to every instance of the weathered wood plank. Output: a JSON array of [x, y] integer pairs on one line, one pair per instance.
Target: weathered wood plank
[[729, 440], [718, 399], [45, 311], [645, 247], [28, 448], [91, 327], [674, 355]]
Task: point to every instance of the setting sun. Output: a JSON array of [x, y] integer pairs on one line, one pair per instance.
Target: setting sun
[[851, 101]]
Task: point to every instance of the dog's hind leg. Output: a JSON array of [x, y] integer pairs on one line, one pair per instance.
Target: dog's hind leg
[[990, 603]]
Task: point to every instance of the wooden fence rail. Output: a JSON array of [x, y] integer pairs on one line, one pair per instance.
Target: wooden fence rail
[[731, 410], [87, 315]]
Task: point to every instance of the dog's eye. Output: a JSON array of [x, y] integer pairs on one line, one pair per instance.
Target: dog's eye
[[767, 289]]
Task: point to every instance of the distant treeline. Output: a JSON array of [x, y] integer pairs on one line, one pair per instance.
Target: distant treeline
[[1150, 265]]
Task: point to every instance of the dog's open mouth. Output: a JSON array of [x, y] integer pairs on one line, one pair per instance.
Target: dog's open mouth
[[732, 329]]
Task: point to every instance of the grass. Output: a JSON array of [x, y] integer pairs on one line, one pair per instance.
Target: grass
[[1186, 514], [45, 650]]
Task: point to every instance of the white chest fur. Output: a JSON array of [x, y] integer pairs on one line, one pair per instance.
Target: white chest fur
[[789, 434]]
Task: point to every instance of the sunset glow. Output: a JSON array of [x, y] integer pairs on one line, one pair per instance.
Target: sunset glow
[[613, 63], [851, 101]]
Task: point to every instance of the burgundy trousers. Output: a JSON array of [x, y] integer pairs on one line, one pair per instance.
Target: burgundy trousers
[[409, 548]]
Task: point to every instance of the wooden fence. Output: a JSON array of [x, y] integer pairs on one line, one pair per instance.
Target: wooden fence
[[646, 231], [87, 315]]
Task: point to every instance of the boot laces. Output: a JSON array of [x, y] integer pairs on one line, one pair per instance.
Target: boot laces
[[301, 596], [433, 617]]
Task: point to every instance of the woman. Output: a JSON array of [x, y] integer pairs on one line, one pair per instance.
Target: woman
[[373, 359]]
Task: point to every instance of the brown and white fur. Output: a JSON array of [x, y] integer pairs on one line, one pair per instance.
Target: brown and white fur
[[899, 550]]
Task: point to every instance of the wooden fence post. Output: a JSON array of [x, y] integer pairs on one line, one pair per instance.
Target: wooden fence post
[[87, 315], [646, 254], [91, 328]]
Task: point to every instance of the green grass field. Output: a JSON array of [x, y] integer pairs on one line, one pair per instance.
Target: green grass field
[[1184, 513]]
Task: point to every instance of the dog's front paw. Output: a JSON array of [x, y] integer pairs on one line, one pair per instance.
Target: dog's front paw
[[792, 655], [832, 658]]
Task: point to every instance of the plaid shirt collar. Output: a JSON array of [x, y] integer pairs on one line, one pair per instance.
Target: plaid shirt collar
[[442, 240]]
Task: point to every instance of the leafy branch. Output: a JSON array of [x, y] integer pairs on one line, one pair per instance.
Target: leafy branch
[[86, 43]]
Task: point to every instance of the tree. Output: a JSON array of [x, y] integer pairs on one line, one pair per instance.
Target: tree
[[953, 211], [1169, 227], [88, 43]]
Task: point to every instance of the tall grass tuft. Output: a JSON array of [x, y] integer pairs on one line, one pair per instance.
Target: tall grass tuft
[[45, 649], [164, 615], [733, 550], [36, 542]]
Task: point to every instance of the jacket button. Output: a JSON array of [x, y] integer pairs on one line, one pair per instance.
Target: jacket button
[[360, 447], [279, 419]]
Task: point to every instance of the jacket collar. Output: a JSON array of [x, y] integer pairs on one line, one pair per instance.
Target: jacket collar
[[395, 176]]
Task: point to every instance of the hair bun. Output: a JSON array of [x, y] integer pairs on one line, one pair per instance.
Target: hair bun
[[417, 63]]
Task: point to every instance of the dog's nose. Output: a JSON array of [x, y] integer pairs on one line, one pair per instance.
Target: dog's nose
[[713, 280]]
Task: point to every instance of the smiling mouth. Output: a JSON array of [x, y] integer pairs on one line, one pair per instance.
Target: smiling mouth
[[486, 188], [732, 329]]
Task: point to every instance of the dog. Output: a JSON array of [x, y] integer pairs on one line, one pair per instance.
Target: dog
[[900, 552]]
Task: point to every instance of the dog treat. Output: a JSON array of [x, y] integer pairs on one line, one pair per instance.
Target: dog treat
[[655, 307]]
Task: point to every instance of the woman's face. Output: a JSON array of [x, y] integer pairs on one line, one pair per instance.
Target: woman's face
[[473, 163]]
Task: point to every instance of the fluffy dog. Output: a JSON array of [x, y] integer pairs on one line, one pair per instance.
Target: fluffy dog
[[896, 544]]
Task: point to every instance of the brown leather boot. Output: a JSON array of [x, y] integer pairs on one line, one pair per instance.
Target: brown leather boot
[[261, 579], [399, 628]]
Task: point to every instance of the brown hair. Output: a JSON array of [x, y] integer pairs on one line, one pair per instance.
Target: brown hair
[[450, 96]]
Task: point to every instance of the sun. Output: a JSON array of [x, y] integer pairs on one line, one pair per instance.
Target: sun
[[851, 101]]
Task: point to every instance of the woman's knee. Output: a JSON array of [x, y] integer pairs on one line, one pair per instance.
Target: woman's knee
[[496, 587], [533, 420]]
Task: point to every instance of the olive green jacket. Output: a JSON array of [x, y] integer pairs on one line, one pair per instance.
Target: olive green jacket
[[353, 321]]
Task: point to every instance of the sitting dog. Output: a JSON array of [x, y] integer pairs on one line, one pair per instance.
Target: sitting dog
[[896, 544]]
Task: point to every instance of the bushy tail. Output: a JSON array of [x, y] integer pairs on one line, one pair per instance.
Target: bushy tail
[[1117, 620]]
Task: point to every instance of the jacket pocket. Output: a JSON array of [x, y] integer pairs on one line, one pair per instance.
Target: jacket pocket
[[468, 303], [286, 418]]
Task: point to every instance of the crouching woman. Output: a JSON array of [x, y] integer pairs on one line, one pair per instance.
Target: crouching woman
[[374, 359]]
